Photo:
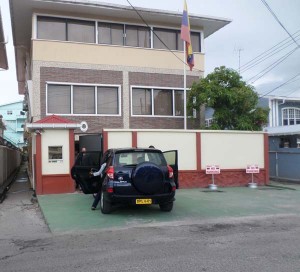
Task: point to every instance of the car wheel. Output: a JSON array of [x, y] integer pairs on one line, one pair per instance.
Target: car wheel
[[166, 207], [105, 205], [148, 178]]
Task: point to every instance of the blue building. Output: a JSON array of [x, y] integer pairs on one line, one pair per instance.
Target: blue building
[[284, 138], [14, 120]]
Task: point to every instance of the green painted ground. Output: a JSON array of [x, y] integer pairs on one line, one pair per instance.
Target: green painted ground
[[70, 212]]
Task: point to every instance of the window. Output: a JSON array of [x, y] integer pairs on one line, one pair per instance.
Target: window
[[65, 29], [84, 100], [164, 37], [157, 102], [141, 102], [137, 36], [208, 122], [80, 99], [107, 100], [81, 31], [55, 154], [163, 102], [290, 116], [9, 112], [110, 33], [59, 99]]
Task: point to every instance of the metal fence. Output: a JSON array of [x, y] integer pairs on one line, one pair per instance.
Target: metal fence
[[285, 164], [10, 160]]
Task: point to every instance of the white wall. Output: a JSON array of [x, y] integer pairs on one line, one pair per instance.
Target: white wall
[[119, 139], [55, 138], [184, 142], [232, 150]]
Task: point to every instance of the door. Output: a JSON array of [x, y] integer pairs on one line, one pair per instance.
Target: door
[[86, 162], [171, 157]]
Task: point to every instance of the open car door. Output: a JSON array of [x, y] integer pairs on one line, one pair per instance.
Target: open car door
[[171, 157], [85, 162]]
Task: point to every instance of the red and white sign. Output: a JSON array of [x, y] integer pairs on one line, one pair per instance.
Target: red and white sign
[[213, 169], [252, 169]]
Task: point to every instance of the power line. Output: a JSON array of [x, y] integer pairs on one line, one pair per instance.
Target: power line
[[276, 18], [144, 21], [284, 83], [267, 54], [272, 66]]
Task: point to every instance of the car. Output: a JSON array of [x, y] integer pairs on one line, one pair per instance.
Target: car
[[136, 176]]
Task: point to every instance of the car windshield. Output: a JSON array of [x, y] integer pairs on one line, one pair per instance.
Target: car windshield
[[135, 157]]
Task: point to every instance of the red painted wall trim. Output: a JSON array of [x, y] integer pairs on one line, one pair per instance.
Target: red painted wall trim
[[134, 139], [266, 157], [198, 150], [72, 147], [38, 180], [105, 140]]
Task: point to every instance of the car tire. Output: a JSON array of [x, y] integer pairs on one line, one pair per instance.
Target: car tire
[[148, 178], [105, 205], [166, 207]]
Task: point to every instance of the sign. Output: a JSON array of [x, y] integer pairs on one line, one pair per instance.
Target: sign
[[252, 169], [212, 169]]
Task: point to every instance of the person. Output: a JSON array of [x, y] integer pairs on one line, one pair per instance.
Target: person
[[98, 195], [151, 146]]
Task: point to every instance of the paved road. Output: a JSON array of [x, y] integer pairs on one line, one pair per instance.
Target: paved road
[[262, 242]]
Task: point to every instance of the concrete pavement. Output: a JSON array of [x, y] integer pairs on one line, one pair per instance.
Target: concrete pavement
[[71, 212]]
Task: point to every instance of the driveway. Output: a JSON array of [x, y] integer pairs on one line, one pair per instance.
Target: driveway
[[71, 212]]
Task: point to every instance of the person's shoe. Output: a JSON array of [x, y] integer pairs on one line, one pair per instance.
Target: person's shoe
[[93, 208]]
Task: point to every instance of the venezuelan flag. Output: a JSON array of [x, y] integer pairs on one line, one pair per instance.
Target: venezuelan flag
[[186, 36]]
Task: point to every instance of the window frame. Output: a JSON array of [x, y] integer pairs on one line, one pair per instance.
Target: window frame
[[56, 160], [72, 84], [287, 109], [152, 88], [151, 37]]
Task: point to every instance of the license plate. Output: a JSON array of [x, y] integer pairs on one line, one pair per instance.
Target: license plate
[[143, 201]]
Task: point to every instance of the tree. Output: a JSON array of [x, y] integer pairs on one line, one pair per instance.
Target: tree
[[234, 102]]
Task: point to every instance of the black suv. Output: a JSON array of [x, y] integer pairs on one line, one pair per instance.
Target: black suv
[[138, 176]]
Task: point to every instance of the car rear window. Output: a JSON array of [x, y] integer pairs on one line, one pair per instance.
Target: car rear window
[[136, 157]]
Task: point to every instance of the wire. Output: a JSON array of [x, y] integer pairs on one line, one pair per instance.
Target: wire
[[276, 18], [284, 83], [266, 54], [144, 21], [272, 66]]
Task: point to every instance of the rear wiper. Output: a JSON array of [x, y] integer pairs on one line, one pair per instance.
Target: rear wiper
[[130, 165]]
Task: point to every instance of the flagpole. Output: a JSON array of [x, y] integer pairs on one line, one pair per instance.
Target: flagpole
[[184, 84]]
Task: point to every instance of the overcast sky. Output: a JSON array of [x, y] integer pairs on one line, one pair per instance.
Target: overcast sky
[[253, 31]]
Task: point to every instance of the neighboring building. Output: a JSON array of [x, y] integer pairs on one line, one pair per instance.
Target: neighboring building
[[284, 137], [3, 55], [2, 127], [14, 119]]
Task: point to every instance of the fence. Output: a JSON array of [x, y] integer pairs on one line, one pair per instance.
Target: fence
[[10, 160], [284, 164]]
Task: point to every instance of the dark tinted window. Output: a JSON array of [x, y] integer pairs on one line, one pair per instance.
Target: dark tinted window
[[136, 157]]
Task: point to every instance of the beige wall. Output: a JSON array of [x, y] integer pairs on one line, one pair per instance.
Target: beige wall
[[71, 52], [55, 138], [229, 149], [232, 150], [185, 143], [119, 139]]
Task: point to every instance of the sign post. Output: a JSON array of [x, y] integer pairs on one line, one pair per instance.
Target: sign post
[[252, 169], [213, 170]]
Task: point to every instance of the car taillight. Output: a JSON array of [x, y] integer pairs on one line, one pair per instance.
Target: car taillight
[[173, 188], [109, 189], [110, 172], [171, 173]]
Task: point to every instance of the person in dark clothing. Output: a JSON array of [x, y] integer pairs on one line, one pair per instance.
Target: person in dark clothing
[[98, 195]]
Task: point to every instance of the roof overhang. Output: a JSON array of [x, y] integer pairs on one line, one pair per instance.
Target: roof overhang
[[41, 126], [3, 54], [283, 130], [21, 18], [283, 98]]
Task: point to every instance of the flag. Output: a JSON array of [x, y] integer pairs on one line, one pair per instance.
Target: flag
[[186, 36]]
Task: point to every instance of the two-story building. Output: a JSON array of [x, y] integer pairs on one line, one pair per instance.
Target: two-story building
[[112, 66], [284, 137], [14, 119]]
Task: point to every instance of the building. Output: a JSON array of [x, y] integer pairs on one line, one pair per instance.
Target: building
[[284, 137], [3, 55], [100, 63], [14, 120]]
